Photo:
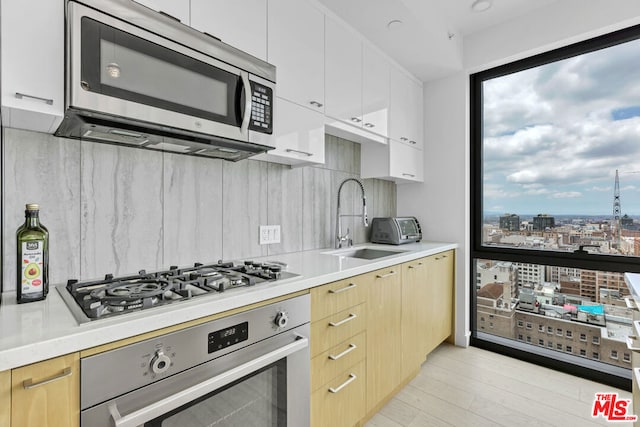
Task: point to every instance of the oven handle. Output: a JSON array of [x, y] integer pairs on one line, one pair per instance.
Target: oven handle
[[176, 400]]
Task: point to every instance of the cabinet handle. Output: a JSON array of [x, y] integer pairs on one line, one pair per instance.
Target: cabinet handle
[[291, 150], [630, 345], [346, 288], [356, 120], [352, 378], [344, 353], [384, 276], [29, 384], [404, 138], [369, 125], [316, 103], [409, 174], [630, 304], [412, 142], [24, 95], [343, 321], [416, 265]]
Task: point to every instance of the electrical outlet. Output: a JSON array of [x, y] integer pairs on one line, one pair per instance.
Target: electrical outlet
[[269, 234]]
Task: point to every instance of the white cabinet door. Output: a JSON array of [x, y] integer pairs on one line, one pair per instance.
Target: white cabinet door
[[405, 109], [178, 9], [405, 162], [375, 91], [296, 48], [32, 34], [239, 23], [395, 161], [298, 134], [343, 73]]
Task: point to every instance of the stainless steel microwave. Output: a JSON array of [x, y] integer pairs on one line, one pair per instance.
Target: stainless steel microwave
[[139, 78]]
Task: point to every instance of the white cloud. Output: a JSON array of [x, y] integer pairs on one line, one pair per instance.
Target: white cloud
[[567, 195]]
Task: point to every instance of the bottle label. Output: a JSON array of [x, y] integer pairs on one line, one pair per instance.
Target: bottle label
[[32, 264]]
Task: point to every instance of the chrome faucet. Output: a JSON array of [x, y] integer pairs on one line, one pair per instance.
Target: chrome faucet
[[346, 239]]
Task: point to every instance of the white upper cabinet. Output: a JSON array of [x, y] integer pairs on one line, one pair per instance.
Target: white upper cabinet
[[375, 91], [343, 73], [395, 161], [239, 23], [405, 109], [32, 64], [178, 9], [296, 48], [299, 135]]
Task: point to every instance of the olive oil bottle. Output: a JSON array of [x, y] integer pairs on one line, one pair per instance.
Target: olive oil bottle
[[33, 257]]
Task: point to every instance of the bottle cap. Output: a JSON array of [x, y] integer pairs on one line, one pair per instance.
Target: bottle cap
[[33, 207]]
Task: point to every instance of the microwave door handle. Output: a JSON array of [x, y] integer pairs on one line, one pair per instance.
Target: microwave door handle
[[244, 128], [183, 397]]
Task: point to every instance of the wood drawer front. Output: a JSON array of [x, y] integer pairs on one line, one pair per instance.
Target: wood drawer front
[[331, 331], [337, 359], [337, 296], [345, 406]]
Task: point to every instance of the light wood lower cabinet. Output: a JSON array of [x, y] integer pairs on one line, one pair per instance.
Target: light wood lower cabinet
[[440, 299], [341, 401], [5, 398], [47, 393], [415, 315], [384, 356]]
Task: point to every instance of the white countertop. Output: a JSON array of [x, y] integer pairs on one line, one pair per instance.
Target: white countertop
[[41, 330]]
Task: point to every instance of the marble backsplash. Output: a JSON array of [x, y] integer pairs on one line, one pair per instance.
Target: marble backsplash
[[112, 209]]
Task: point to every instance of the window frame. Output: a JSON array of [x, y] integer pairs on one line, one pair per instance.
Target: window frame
[[588, 261]]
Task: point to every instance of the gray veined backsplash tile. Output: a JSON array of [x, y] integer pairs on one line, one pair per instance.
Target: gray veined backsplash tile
[[39, 168], [244, 196], [121, 210], [284, 207], [192, 220], [317, 197]]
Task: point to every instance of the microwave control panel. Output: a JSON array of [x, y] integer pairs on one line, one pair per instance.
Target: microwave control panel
[[261, 108]]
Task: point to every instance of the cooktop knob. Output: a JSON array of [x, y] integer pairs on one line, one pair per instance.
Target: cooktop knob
[[281, 319], [160, 362]]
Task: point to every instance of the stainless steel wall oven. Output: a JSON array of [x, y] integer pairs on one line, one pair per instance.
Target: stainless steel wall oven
[[248, 369]]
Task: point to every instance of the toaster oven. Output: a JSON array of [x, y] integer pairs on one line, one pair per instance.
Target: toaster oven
[[395, 230]]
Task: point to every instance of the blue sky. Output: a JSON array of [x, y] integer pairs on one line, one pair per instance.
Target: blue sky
[[555, 135]]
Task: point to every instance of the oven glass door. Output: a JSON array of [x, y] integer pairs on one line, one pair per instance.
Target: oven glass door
[[259, 399], [125, 66]]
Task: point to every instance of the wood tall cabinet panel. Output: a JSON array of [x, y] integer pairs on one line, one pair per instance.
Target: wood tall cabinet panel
[[384, 339], [415, 315], [338, 352], [440, 302], [53, 399], [5, 398]]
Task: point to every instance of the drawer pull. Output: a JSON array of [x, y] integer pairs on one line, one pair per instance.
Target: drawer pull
[[344, 353], [29, 384], [384, 276], [630, 304], [47, 101], [409, 175], [306, 153], [418, 265], [316, 103], [630, 342], [352, 378], [346, 288], [343, 321]]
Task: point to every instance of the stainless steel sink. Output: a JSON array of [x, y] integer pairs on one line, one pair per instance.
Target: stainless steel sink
[[365, 253]]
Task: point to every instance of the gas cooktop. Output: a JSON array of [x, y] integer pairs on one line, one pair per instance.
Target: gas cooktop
[[98, 299]]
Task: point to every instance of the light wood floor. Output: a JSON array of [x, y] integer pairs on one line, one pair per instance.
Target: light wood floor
[[474, 387]]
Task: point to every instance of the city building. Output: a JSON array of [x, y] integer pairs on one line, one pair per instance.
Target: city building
[[543, 221], [510, 222]]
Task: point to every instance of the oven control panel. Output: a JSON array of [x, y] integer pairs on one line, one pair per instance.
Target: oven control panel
[[226, 337]]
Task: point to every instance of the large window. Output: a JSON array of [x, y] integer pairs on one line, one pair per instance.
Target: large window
[[556, 203]]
